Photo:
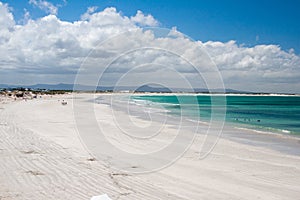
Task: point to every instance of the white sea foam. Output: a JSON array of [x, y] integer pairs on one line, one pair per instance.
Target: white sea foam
[[268, 132], [286, 131]]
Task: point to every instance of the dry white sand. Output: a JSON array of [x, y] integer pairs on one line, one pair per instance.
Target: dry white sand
[[43, 158]]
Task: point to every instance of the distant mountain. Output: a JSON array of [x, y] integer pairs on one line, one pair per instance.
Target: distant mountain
[[147, 88], [144, 88], [3, 86], [60, 86]]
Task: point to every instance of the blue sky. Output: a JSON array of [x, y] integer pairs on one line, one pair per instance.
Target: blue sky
[[248, 22]]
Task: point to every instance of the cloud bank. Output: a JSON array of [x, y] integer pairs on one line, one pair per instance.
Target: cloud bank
[[49, 50]]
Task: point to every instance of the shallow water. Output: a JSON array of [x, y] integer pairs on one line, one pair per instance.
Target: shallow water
[[270, 113]]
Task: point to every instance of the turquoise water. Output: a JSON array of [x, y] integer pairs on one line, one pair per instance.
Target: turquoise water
[[271, 113]]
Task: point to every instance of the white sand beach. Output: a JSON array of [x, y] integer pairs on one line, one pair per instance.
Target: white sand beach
[[42, 157]]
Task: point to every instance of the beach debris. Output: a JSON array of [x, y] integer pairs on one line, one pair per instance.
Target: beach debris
[[35, 173], [64, 103], [101, 197], [91, 159], [119, 174], [29, 152]]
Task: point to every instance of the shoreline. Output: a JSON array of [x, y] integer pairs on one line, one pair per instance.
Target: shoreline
[[197, 94], [227, 127]]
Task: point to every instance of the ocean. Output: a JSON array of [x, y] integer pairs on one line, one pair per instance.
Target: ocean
[[280, 114]]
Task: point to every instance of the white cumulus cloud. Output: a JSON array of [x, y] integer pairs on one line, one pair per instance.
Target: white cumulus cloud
[[144, 20], [253, 65], [46, 6], [7, 23], [88, 12]]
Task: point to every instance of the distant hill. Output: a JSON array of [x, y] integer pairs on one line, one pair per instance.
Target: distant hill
[[60, 86], [4, 86], [144, 88]]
